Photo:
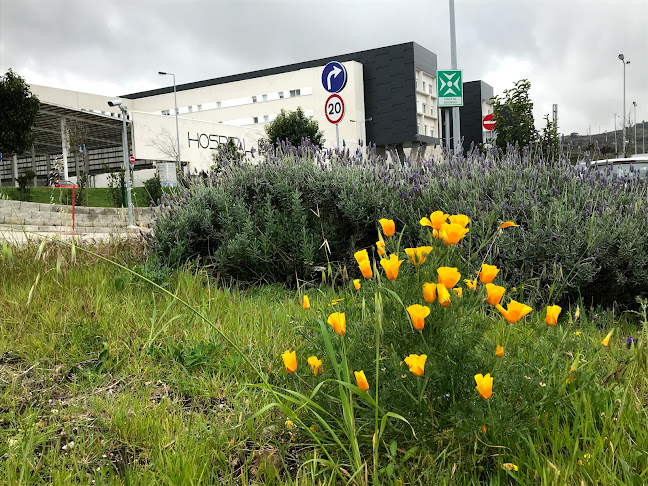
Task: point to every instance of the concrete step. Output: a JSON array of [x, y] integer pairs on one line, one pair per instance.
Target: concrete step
[[31, 228]]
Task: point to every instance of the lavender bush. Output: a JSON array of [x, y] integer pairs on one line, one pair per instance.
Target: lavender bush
[[582, 232]]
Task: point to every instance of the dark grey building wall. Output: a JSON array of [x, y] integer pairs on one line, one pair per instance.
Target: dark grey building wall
[[471, 113], [389, 88]]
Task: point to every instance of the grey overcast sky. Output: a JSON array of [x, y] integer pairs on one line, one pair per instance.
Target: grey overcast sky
[[568, 49]]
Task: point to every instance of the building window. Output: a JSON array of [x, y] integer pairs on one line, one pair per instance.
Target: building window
[[280, 94], [425, 129], [295, 92], [430, 88], [423, 107], [423, 85], [265, 97], [190, 109], [199, 107], [265, 118], [166, 112], [218, 104], [254, 99], [255, 119]]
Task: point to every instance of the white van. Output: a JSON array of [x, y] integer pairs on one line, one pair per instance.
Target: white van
[[638, 163]]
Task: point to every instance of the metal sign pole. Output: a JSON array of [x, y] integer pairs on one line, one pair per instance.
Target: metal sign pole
[[456, 122], [337, 135]]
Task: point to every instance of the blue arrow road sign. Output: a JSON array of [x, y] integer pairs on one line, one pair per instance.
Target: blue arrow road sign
[[334, 77]]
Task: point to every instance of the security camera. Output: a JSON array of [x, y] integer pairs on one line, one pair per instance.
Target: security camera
[[115, 103]]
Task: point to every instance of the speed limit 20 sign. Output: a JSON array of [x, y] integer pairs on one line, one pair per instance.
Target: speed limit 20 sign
[[334, 109]]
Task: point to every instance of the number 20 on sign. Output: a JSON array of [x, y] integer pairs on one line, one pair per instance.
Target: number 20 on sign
[[334, 109]]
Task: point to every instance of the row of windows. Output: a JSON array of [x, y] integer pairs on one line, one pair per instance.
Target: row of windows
[[259, 119], [430, 87], [240, 101]]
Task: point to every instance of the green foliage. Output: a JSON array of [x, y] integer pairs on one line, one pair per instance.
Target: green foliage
[[293, 127], [116, 188], [581, 231], [24, 185], [514, 114], [549, 139], [19, 109], [153, 188]]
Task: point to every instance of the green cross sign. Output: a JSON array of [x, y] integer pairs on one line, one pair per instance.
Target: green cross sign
[[450, 88]]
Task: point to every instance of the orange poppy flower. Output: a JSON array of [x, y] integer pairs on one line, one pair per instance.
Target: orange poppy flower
[[361, 379], [429, 292], [507, 224], [418, 313], [356, 283], [306, 302], [488, 273], [338, 321], [606, 340], [418, 255], [460, 219], [495, 293], [514, 311], [448, 276], [416, 363], [484, 385], [290, 361], [315, 364], [437, 218], [452, 233], [444, 295], [380, 245], [499, 351], [391, 266], [388, 226], [471, 284], [553, 311], [458, 291]]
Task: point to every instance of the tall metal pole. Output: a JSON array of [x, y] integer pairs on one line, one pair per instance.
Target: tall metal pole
[[622, 58], [127, 166], [634, 103], [175, 100], [456, 122], [616, 147]]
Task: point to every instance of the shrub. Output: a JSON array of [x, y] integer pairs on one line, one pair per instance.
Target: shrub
[[24, 185], [153, 188], [582, 232]]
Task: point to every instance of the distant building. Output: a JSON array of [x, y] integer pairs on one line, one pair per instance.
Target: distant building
[[390, 101]]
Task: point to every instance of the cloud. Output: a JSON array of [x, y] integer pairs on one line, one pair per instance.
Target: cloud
[[567, 49]]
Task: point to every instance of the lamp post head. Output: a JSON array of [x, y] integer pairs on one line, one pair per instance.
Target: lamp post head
[[621, 57], [162, 73]]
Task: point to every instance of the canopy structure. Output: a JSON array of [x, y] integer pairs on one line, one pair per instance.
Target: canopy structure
[[63, 134]]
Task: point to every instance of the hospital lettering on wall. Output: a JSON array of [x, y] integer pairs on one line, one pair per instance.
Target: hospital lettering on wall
[[212, 141]]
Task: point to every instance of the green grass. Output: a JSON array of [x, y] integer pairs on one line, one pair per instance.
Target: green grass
[[97, 196], [90, 392]]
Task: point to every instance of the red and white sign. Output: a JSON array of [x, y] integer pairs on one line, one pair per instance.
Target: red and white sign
[[132, 160], [489, 122], [334, 109]]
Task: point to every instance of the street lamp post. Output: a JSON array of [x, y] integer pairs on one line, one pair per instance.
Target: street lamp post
[[362, 121], [634, 103], [622, 59], [616, 146], [175, 99], [127, 166]]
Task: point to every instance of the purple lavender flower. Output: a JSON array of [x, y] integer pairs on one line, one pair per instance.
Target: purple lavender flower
[[630, 341]]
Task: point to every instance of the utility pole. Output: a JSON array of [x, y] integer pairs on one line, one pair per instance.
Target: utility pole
[[456, 122], [622, 58], [634, 103], [616, 148]]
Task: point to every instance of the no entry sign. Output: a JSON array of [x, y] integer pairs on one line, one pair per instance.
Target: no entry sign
[[489, 122], [334, 109]]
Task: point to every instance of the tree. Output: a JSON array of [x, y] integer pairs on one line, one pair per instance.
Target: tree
[[293, 126], [19, 109], [549, 138], [514, 115]]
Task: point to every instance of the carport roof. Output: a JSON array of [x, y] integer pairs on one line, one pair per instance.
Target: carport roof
[[99, 130]]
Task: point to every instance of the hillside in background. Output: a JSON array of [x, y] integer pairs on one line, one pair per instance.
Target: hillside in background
[[605, 141]]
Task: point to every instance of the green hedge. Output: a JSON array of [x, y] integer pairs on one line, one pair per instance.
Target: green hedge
[[582, 233]]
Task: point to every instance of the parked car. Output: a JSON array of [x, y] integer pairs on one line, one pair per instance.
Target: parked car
[[64, 184], [638, 164]]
